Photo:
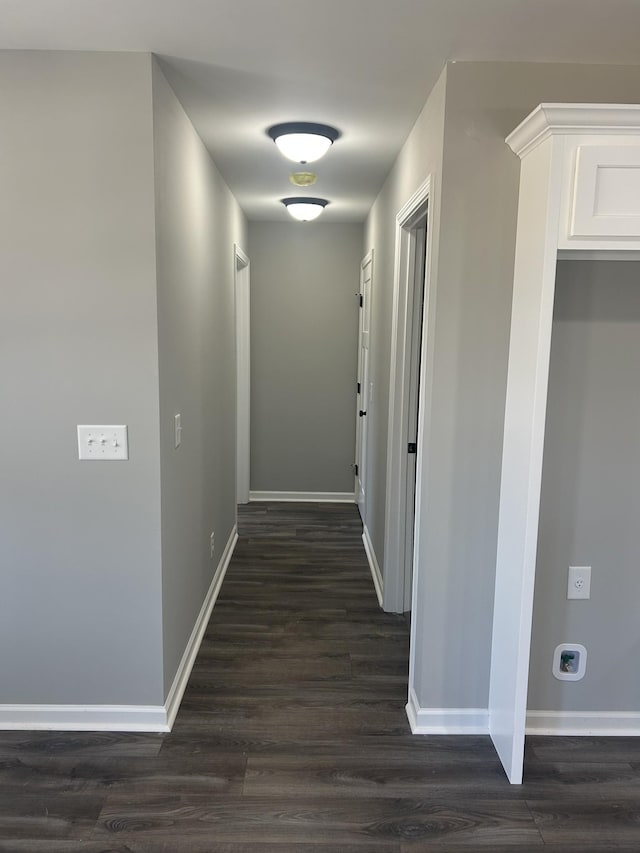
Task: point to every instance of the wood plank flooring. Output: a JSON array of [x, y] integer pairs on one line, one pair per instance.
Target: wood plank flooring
[[292, 737]]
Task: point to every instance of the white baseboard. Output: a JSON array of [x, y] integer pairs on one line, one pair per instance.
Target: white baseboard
[[446, 721], [306, 497], [174, 697], [84, 718], [123, 718], [584, 723], [376, 574]]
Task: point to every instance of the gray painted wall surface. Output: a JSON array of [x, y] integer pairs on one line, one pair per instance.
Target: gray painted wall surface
[[590, 501], [420, 157], [473, 273], [304, 337], [197, 223], [79, 541]]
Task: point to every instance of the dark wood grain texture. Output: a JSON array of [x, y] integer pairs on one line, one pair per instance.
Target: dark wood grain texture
[[292, 737]]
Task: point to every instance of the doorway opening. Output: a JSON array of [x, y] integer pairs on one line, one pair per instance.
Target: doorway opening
[[409, 367], [243, 374]]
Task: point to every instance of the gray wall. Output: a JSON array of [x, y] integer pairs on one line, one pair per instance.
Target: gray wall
[[79, 541], [304, 336], [473, 270], [420, 157], [590, 501], [197, 223], [117, 306]]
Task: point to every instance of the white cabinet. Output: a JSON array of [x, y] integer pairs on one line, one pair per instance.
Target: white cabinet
[[579, 197]]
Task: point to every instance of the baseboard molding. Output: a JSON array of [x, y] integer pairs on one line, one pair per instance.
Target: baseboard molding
[[376, 574], [174, 697], [84, 718], [446, 721], [584, 723], [124, 718], [305, 497]]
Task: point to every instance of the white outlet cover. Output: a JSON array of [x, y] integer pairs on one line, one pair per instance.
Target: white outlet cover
[[579, 582], [103, 443]]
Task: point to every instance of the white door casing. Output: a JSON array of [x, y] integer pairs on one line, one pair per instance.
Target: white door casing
[[243, 373], [398, 589], [417, 272], [363, 391]]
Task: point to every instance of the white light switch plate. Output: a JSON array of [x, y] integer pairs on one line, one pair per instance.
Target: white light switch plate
[[103, 443]]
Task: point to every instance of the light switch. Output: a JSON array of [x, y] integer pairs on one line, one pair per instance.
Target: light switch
[[103, 443]]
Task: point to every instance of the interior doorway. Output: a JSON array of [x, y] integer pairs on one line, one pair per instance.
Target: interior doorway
[[243, 374], [406, 420]]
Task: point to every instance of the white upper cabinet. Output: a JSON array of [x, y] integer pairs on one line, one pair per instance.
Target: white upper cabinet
[[598, 146]]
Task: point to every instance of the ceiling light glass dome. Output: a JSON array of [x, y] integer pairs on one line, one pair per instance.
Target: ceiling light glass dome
[[303, 142], [305, 209]]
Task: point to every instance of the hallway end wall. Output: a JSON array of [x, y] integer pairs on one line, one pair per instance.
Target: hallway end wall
[[304, 339]]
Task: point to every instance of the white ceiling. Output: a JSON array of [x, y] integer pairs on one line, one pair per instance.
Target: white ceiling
[[365, 66]]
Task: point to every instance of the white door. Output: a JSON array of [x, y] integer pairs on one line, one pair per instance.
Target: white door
[[362, 390]]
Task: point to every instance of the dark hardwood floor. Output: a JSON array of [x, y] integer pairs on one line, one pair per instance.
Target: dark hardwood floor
[[292, 736]]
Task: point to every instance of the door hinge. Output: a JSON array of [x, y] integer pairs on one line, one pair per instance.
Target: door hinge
[[362, 414], [361, 299], [358, 387], [412, 447], [355, 470]]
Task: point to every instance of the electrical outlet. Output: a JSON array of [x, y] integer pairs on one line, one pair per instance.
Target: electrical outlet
[[212, 544], [579, 583]]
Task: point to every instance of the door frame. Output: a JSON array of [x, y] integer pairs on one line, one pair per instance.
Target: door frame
[[397, 592], [362, 396], [241, 277]]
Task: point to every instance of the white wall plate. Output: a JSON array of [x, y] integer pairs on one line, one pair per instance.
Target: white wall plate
[[103, 443]]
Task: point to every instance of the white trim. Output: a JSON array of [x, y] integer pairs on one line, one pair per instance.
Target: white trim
[[524, 426], [305, 497], [124, 718], [549, 119], [632, 254], [376, 574], [174, 697], [84, 718], [242, 294], [396, 492], [446, 721], [584, 723]]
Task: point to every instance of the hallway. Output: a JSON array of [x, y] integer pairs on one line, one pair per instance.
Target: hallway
[[292, 736]]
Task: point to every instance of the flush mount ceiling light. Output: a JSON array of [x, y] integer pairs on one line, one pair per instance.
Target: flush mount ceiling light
[[303, 179], [305, 209], [303, 141]]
